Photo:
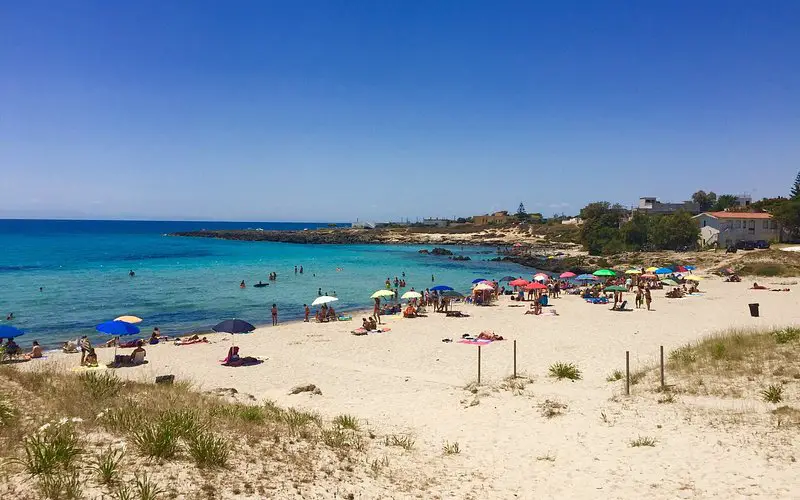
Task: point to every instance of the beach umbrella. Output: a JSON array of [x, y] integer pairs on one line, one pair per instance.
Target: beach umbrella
[[586, 277], [680, 269], [616, 288], [633, 271], [441, 288], [604, 272], [233, 326], [9, 332], [411, 295], [478, 280], [452, 294], [382, 293], [507, 278], [693, 278], [129, 319], [651, 269], [118, 328], [325, 299], [536, 286], [690, 268], [519, 282], [540, 277], [483, 286], [568, 274], [669, 282], [663, 270], [649, 276]]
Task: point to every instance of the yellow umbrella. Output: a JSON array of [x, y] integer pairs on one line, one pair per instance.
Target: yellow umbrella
[[411, 295], [633, 271], [483, 286], [692, 278], [129, 319], [382, 293], [651, 269]]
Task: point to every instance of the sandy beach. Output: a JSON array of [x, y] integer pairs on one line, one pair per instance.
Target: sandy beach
[[408, 380]]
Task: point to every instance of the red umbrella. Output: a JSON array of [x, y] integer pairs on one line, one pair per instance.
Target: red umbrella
[[567, 274], [536, 286], [681, 269], [518, 282], [649, 276]]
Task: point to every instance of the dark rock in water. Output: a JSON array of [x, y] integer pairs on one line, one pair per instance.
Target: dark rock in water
[[461, 257], [424, 252], [441, 251]]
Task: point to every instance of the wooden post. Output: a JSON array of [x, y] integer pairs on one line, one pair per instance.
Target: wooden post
[[627, 373], [663, 386], [479, 365], [515, 359]]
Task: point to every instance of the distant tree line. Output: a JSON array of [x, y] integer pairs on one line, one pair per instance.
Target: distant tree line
[[607, 229]]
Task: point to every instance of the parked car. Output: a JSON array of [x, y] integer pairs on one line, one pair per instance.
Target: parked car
[[731, 249], [762, 244], [749, 245]]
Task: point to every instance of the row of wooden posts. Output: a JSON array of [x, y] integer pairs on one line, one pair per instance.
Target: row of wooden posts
[[627, 367]]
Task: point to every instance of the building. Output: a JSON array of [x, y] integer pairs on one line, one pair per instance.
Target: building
[[651, 205], [495, 218], [728, 228], [435, 222], [574, 221]]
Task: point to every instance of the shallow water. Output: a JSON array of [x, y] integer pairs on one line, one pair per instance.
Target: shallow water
[[189, 284]]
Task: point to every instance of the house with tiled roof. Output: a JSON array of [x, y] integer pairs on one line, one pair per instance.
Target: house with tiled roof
[[728, 228]]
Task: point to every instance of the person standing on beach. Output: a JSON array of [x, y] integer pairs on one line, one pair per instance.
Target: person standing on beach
[[307, 311], [647, 298], [85, 347], [274, 315], [638, 297], [376, 310]]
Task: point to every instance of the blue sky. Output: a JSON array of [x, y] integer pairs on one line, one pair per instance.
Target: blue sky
[[333, 110]]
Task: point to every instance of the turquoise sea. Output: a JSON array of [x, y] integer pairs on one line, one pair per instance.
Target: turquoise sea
[[188, 284]]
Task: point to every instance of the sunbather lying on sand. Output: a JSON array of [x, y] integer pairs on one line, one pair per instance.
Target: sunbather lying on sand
[[756, 286], [233, 358], [487, 335]]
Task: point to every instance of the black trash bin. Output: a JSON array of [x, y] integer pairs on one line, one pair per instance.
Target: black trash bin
[[753, 310]]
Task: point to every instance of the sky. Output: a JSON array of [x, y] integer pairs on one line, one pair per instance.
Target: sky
[[345, 110]]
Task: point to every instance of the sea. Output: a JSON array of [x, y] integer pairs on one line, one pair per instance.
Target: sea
[[60, 278]]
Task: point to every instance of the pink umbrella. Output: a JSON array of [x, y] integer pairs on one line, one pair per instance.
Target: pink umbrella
[[567, 274], [541, 277], [518, 282], [536, 286]]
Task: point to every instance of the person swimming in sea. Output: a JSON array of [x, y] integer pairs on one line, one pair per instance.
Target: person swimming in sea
[[131, 273], [242, 285]]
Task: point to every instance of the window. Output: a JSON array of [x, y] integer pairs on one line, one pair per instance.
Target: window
[[738, 224], [773, 225], [766, 224]]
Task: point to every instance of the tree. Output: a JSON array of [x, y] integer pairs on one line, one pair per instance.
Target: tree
[[600, 227], [705, 200], [522, 215], [795, 191], [787, 214], [672, 232], [725, 201], [634, 232]]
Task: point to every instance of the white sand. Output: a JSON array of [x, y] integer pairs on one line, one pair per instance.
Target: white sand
[[408, 380]]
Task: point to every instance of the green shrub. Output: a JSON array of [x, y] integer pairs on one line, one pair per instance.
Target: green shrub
[[51, 449], [565, 370], [208, 450], [64, 486], [615, 375], [147, 489], [8, 413], [346, 422], [772, 394], [100, 385], [787, 335], [402, 440], [157, 440], [106, 465]]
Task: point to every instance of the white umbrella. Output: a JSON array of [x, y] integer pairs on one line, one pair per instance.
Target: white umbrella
[[483, 286], [541, 277], [411, 295], [323, 300]]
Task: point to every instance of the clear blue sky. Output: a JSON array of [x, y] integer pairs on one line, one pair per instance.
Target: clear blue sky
[[332, 110]]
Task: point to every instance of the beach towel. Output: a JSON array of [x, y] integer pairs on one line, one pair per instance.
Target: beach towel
[[363, 331], [246, 361], [191, 342], [475, 341]]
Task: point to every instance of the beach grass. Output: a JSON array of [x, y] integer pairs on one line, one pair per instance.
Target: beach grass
[[561, 371]]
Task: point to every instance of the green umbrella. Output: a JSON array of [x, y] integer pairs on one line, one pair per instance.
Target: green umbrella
[[616, 288], [604, 272], [669, 282]]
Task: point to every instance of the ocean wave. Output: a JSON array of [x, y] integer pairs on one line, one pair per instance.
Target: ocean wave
[[165, 255]]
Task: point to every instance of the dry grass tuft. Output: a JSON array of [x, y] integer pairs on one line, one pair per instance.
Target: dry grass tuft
[[551, 408], [643, 441], [449, 448]]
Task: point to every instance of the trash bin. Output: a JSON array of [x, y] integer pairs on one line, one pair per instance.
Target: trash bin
[[753, 310]]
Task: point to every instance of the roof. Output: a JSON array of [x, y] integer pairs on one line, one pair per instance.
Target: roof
[[737, 215]]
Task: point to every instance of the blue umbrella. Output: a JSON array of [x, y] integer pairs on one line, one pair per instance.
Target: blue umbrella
[[9, 332], [585, 277], [441, 288], [663, 270], [117, 328], [690, 268], [506, 278], [478, 280], [233, 326]]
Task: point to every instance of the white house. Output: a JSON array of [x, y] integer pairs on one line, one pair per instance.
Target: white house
[[728, 228]]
